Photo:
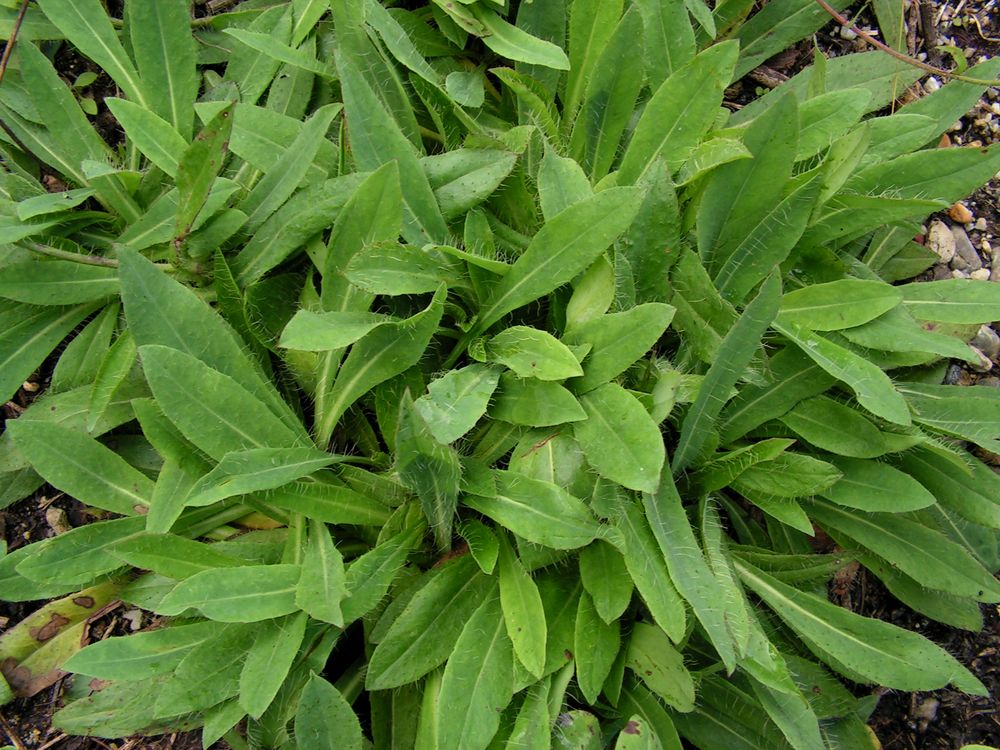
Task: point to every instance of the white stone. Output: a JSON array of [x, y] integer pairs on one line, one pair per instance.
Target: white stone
[[941, 241], [980, 274]]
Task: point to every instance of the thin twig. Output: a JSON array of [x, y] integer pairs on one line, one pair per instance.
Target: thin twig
[[53, 742], [11, 734], [7, 49], [899, 55]]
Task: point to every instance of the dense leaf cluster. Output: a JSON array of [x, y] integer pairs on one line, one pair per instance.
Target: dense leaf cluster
[[465, 375]]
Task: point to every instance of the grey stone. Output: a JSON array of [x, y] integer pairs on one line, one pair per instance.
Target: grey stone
[[985, 364], [966, 258], [987, 341], [941, 241]]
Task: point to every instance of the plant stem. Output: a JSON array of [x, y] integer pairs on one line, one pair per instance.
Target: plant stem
[[899, 55]]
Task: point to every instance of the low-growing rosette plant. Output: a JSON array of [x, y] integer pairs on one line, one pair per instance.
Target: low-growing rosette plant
[[466, 375]]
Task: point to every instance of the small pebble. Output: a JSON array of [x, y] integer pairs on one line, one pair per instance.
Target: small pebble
[[931, 85], [961, 213], [995, 273], [57, 520], [980, 224], [926, 712], [987, 341], [986, 247], [958, 274], [980, 274], [849, 35], [957, 126], [28, 386], [134, 617], [966, 258], [985, 364], [941, 241]]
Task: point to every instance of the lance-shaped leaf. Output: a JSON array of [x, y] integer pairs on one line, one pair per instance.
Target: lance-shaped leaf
[[605, 577], [87, 25], [619, 438], [834, 427], [430, 469], [82, 467], [975, 496], [872, 387], [874, 486], [737, 349], [211, 409], [325, 720], [679, 113], [455, 402], [172, 556], [838, 304], [515, 43], [617, 341], [463, 178], [78, 556], [385, 352], [522, 610], [391, 268], [541, 512], [322, 586], [377, 139], [561, 249], [898, 331], [269, 661], [425, 632], [193, 328], [369, 577], [166, 54], [875, 650], [596, 648], [688, 569], [969, 414], [198, 167], [533, 402], [56, 282], [325, 499], [532, 353], [317, 332], [923, 554], [952, 301], [648, 568], [30, 338], [141, 655], [477, 683], [249, 593], [242, 472], [657, 663]]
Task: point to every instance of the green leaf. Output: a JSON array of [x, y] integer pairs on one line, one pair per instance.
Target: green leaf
[[380, 355], [466, 88], [533, 402], [195, 328], [56, 282], [114, 370], [245, 471], [172, 556], [923, 554], [516, 44], [78, 556], [898, 331], [425, 633], [455, 402], [324, 499], [431, 470], [875, 650], [477, 683], [596, 646], [269, 660], [737, 349], [249, 593], [156, 138], [610, 99], [637, 735], [483, 544], [838, 304], [788, 475], [30, 338], [523, 613], [463, 178], [560, 250], [619, 438], [390, 268], [975, 496], [605, 577], [48, 203], [375, 140], [87, 26], [873, 486], [971, 414], [561, 183], [668, 39], [688, 569], [617, 341], [141, 655], [872, 387], [679, 113], [198, 167], [834, 427], [591, 24], [165, 53], [540, 512], [648, 568], [369, 576], [211, 409], [657, 663], [283, 179], [82, 467], [322, 586], [532, 353], [317, 332], [324, 719], [952, 301]]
